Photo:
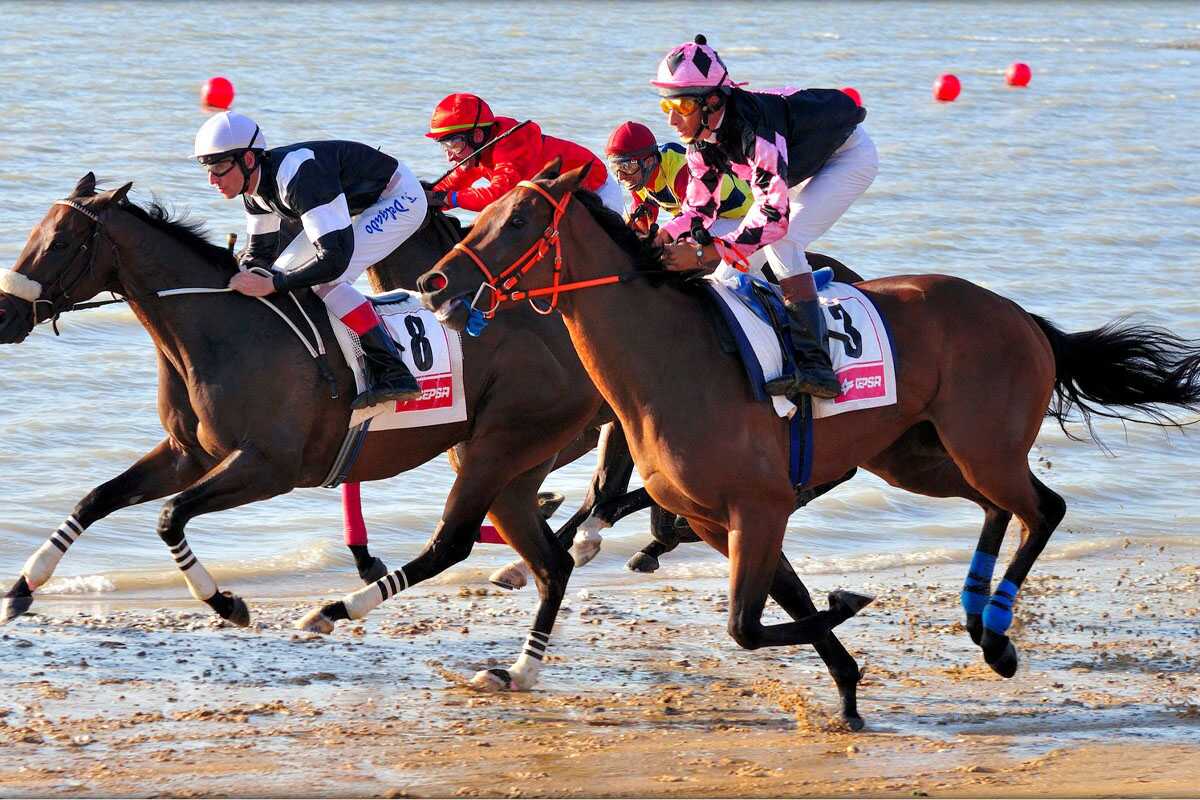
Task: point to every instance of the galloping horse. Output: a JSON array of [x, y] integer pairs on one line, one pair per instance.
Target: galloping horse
[[971, 401], [248, 415]]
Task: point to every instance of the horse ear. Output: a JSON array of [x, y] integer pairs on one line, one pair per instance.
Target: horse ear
[[572, 180], [86, 186], [116, 195], [551, 169]]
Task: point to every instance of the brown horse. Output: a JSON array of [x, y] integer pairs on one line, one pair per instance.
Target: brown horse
[[248, 415], [971, 397]]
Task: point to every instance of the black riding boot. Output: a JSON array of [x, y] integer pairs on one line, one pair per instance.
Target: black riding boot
[[814, 373], [388, 378]]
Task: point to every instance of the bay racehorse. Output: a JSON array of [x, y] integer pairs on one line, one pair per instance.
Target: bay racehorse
[[248, 415], [971, 396]]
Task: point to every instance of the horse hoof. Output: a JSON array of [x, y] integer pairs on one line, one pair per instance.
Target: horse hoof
[[548, 503], [513, 576], [1000, 654], [492, 680], [975, 628], [641, 562], [848, 603], [373, 571], [315, 621], [16, 602], [240, 614], [854, 722], [585, 547]]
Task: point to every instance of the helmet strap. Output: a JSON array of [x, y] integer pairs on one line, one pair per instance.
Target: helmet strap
[[241, 162]]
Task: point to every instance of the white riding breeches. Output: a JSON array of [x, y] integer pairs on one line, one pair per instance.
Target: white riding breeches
[[817, 203], [378, 230], [610, 194]]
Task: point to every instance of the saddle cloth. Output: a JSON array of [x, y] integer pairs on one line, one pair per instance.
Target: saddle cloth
[[432, 351], [859, 345]]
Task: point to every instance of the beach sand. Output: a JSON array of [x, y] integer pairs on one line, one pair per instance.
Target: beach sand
[[644, 695]]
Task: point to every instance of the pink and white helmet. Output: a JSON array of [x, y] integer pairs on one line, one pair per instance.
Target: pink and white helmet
[[692, 68]]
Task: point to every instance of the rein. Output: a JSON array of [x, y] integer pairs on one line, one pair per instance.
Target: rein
[[317, 352], [503, 285]]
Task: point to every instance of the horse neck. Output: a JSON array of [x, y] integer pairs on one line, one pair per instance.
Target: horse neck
[[632, 338], [153, 261]]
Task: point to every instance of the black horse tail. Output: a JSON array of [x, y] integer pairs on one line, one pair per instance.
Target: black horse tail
[[1132, 366]]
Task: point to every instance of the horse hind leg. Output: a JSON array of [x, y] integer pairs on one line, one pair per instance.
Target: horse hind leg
[[370, 568]]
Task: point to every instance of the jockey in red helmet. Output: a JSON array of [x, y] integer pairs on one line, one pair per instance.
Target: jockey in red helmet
[[657, 178], [463, 123], [807, 159]]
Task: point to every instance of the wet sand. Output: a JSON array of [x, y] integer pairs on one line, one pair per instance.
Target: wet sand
[[644, 695]]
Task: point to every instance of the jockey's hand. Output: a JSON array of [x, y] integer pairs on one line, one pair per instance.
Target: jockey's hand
[[682, 257], [252, 284], [662, 238], [435, 199]]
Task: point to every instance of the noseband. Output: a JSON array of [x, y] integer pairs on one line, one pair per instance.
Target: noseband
[[503, 286]]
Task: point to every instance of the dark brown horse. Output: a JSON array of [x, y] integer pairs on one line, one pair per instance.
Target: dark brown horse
[[971, 396], [248, 415]]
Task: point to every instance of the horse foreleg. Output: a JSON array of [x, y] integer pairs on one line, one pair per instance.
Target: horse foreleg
[[791, 594], [551, 565], [754, 552], [242, 477], [471, 494], [369, 567], [164, 470]]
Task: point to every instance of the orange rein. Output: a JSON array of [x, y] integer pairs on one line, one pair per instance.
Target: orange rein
[[503, 285]]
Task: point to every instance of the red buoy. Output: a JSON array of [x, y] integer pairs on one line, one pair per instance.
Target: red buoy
[[946, 88], [853, 94], [217, 93], [1018, 74]]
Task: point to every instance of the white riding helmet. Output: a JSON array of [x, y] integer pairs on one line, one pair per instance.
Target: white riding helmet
[[227, 134]]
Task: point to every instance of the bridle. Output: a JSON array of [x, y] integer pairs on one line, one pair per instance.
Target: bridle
[[88, 249], [503, 285]]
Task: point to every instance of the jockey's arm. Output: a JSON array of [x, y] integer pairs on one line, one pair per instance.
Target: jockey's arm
[[263, 242], [318, 198]]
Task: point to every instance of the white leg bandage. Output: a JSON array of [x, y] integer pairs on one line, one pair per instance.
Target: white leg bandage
[[525, 671], [360, 603], [199, 582], [18, 285], [41, 565]]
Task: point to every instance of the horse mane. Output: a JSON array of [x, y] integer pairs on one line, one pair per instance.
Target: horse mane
[[192, 234], [644, 253]]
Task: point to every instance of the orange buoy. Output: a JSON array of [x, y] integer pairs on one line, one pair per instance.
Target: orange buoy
[[1018, 74], [853, 94], [217, 93], [946, 88]]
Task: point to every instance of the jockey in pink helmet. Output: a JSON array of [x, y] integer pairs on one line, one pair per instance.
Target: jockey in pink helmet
[[806, 159]]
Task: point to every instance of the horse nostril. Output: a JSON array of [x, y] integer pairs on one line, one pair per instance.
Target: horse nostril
[[436, 282]]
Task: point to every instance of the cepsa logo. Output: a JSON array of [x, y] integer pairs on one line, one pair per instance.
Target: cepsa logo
[[857, 384], [436, 393]]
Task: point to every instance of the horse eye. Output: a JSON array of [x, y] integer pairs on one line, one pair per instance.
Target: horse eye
[[517, 222], [58, 244]]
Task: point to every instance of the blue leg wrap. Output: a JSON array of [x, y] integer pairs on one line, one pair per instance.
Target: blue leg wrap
[[978, 586], [998, 614], [476, 322]]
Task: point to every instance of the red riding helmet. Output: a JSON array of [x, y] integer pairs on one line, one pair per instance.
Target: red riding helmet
[[459, 113], [631, 140]]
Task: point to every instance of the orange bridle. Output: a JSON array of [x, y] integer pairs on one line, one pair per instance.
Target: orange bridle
[[503, 285]]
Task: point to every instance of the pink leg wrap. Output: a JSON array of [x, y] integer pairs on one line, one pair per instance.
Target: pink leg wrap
[[489, 535], [356, 529]]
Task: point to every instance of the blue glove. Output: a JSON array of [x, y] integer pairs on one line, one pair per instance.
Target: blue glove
[[476, 322]]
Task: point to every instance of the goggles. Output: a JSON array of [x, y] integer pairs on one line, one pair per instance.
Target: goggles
[[682, 105], [626, 166], [220, 168], [453, 144]]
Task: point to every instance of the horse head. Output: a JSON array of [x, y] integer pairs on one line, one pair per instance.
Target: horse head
[[509, 246], [65, 261]]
